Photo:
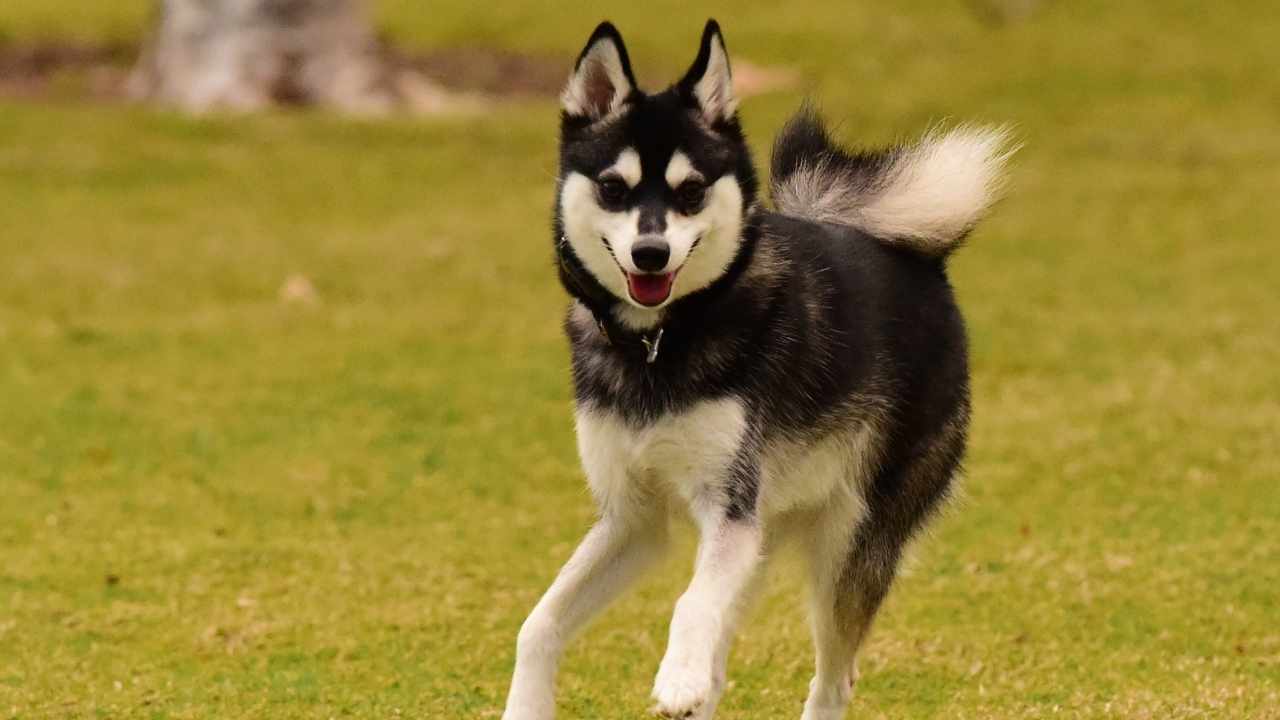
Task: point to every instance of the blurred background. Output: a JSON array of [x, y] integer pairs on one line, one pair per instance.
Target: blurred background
[[285, 422]]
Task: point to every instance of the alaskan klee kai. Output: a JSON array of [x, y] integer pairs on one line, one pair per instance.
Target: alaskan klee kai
[[796, 374]]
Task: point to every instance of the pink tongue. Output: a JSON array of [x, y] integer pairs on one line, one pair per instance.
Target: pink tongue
[[650, 289]]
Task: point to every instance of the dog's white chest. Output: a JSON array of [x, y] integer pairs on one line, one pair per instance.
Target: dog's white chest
[[683, 453]]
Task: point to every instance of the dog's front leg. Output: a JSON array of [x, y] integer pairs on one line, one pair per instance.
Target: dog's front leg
[[613, 553], [692, 674]]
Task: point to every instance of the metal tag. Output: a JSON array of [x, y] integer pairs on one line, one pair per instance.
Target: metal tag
[[652, 346]]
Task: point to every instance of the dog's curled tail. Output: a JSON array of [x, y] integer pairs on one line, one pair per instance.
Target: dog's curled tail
[[925, 196]]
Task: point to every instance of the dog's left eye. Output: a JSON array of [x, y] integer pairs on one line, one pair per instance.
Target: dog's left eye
[[691, 194]]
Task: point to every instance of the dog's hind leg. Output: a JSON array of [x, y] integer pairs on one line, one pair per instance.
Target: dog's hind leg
[[843, 608], [613, 554], [851, 578]]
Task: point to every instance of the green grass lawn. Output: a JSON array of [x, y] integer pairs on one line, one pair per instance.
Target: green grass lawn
[[216, 504]]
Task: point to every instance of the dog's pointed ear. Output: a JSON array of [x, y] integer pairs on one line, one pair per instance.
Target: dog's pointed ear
[[601, 81], [709, 83]]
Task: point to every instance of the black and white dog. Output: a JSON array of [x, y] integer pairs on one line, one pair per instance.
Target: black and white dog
[[796, 374]]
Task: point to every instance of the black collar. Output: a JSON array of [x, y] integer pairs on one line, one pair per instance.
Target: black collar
[[624, 339]]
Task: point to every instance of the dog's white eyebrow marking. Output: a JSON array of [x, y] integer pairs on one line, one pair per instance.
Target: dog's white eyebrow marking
[[627, 167], [679, 169]]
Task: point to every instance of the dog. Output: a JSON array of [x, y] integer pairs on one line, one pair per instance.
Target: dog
[[796, 374]]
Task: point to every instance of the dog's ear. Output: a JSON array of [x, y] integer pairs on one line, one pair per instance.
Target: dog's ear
[[709, 84], [601, 81]]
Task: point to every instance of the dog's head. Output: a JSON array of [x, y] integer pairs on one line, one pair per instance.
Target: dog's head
[[653, 188]]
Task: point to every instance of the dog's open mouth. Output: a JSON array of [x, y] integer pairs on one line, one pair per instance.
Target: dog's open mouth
[[650, 289]]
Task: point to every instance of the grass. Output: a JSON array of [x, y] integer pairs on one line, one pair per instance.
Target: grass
[[217, 504]]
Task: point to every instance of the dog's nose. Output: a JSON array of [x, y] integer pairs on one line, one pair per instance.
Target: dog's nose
[[650, 254]]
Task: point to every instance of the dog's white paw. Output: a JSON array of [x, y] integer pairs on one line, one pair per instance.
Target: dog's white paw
[[533, 683], [529, 712], [685, 687], [828, 702], [816, 713], [526, 703]]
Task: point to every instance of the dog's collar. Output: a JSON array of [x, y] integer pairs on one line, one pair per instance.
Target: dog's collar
[[612, 332], [652, 342]]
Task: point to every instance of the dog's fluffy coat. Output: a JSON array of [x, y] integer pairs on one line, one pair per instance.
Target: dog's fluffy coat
[[804, 378]]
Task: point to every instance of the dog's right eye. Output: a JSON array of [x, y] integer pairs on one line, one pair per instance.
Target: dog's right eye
[[613, 191]]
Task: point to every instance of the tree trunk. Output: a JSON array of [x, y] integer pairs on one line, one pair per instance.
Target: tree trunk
[[250, 54]]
